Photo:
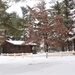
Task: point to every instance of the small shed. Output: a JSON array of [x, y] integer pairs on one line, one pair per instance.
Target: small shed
[[16, 47]]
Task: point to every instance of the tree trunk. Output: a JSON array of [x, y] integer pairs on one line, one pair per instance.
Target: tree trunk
[[46, 47], [63, 49], [69, 45], [74, 44]]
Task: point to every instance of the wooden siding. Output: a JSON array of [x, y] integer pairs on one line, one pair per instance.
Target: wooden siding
[[10, 48]]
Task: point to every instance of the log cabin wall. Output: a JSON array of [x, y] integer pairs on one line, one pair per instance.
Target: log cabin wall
[[10, 48]]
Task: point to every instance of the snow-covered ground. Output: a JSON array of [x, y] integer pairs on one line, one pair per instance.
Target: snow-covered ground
[[37, 65]]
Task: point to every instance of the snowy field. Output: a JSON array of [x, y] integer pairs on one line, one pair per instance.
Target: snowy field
[[37, 65]]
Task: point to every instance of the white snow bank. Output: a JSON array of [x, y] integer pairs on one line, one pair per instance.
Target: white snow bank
[[37, 65]]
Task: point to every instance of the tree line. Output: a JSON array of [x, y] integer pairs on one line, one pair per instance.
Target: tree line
[[38, 24]]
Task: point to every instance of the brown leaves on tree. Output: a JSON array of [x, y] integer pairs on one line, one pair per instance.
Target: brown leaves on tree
[[53, 31]]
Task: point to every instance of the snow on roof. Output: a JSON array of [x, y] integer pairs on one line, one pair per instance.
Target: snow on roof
[[72, 38], [15, 42], [20, 42], [31, 43]]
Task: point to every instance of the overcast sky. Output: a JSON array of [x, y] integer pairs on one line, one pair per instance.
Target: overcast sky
[[16, 6]]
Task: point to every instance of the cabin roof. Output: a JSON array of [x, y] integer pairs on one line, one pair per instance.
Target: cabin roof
[[71, 38], [14, 42], [31, 43]]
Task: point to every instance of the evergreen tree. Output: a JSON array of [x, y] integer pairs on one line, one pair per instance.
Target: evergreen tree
[[66, 12], [15, 29], [57, 8]]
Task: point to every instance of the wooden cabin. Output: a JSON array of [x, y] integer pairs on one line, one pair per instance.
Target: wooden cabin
[[16, 47]]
